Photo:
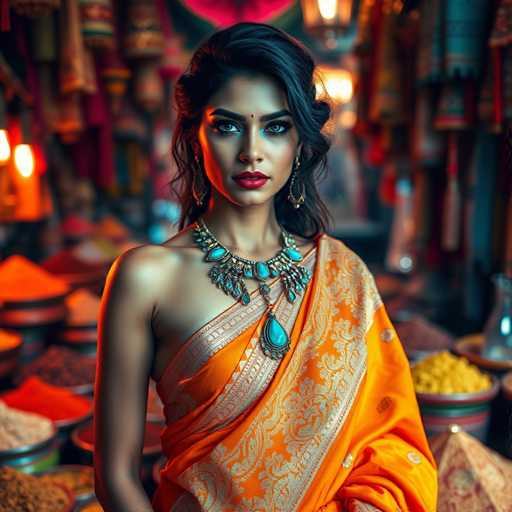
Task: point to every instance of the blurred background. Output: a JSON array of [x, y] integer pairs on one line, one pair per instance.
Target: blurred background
[[419, 179]]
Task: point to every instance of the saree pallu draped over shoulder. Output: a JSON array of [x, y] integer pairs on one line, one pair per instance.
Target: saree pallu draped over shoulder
[[333, 426]]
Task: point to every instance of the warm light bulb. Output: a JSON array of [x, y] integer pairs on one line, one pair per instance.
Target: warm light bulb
[[5, 147], [327, 8], [24, 160]]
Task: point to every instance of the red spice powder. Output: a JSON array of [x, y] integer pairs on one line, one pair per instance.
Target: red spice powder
[[55, 403], [22, 280]]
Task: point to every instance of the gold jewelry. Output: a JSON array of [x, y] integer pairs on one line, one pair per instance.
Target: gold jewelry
[[198, 196], [296, 201]]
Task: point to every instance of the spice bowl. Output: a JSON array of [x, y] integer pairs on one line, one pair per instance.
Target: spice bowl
[[9, 356], [33, 458], [79, 479], [470, 411]]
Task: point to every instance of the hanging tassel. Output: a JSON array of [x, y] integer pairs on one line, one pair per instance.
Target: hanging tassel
[[5, 20], [452, 207]]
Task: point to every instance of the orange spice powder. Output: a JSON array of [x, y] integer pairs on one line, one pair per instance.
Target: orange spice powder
[[22, 280], [9, 340], [83, 307]]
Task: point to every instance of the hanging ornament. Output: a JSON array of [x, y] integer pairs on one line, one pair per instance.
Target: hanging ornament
[[34, 8], [148, 87], [143, 36], [465, 30], [115, 76], [501, 34], [97, 20], [456, 109], [452, 203]]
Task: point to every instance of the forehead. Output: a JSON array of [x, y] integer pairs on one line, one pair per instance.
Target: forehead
[[246, 95]]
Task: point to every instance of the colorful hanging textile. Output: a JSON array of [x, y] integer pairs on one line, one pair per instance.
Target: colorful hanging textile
[[501, 34], [223, 13], [465, 29], [143, 33], [34, 8], [76, 64], [387, 101], [430, 49], [97, 21], [148, 87]]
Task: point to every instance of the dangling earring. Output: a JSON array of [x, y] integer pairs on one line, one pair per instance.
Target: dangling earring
[[296, 201], [198, 196]]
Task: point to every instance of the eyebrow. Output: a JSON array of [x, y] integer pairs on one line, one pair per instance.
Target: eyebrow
[[238, 117]]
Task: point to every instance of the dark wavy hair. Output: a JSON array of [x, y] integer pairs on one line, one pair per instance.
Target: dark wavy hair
[[254, 49]]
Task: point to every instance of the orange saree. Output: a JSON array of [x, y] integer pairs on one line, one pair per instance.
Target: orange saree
[[333, 426]]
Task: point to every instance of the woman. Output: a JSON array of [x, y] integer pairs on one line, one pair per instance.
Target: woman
[[284, 384]]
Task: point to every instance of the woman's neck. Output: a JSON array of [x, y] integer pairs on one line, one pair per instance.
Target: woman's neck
[[250, 230]]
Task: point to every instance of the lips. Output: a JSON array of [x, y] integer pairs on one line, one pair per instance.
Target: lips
[[256, 175]]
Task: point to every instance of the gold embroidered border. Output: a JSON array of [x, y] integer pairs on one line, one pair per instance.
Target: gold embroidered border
[[214, 336], [217, 481], [253, 375]]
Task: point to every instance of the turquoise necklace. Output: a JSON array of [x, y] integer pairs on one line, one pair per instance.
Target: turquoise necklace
[[229, 271]]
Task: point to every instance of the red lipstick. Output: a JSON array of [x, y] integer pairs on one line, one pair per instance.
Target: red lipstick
[[251, 180]]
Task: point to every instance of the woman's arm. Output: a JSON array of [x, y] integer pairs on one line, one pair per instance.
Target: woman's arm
[[125, 353]]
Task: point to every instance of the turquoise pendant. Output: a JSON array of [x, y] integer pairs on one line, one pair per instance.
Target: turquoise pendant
[[274, 339]]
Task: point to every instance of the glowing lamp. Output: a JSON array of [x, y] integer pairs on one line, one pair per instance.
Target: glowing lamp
[[24, 160], [335, 83], [5, 147], [327, 15]]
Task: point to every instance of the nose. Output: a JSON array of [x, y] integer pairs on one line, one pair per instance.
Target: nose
[[251, 152]]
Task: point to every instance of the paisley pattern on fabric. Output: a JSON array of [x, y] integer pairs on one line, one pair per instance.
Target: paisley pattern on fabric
[[307, 410]]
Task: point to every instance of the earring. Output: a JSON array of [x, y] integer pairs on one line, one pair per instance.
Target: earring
[[296, 201], [198, 196]]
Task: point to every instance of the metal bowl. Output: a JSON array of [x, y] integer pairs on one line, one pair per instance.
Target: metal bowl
[[5, 455], [460, 399], [80, 497]]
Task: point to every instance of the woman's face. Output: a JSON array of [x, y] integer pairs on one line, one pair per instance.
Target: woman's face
[[247, 127]]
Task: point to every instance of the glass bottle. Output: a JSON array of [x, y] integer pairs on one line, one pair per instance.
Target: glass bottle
[[498, 329]]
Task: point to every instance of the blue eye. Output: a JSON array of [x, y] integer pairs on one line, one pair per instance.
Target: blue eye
[[278, 127], [225, 127]]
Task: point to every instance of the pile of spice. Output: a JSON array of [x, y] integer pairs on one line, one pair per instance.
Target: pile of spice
[[109, 227], [53, 402], [26, 493], [9, 340], [20, 428], [418, 334], [65, 263], [22, 280], [60, 366], [79, 479], [445, 373], [83, 307]]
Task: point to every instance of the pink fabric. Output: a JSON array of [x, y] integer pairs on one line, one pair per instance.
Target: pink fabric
[[226, 12]]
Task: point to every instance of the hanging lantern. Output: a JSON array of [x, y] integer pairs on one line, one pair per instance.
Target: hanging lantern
[[144, 37], [456, 109], [34, 8], [97, 23], [327, 18]]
